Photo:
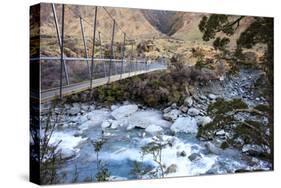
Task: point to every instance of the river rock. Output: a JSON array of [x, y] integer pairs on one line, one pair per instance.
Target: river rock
[[203, 97], [174, 106], [172, 115], [203, 120], [167, 110], [82, 119], [92, 107], [220, 133], [67, 154], [188, 101], [74, 110], [252, 149], [113, 107], [181, 154], [184, 109], [171, 169], [105, 124], [124, 111], [117, 178], [213, 149], [194, 157], [130, 127], [185, 124], [154, 129], [238, 142], [193, 112], [114, 124], [66, 106], [212, 96], [85, 107]]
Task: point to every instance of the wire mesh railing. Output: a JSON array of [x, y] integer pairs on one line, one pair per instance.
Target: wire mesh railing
[[102, 50]]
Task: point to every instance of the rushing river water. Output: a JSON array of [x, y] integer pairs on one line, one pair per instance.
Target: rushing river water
[[123, 128]]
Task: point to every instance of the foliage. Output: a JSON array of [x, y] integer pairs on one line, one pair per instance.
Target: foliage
[[155, 148], [200, 63], [250, 128], [215, 23], [138, 170], [50, 156], [76, 175], [220, 43], [221, 106], [260, 31], [102, 171], [154, 89]]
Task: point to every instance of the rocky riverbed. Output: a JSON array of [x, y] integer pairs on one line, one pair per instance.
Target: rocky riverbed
[[127, 127]]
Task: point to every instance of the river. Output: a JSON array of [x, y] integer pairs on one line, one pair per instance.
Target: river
[[124, 126]]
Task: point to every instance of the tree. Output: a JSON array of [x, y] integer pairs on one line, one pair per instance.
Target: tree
[[102, 171], [260, 31], [215, 23], [155, 148], [241, 121], [50, 156]]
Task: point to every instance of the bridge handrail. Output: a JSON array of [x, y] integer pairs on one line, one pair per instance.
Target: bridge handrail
[[133, 62]]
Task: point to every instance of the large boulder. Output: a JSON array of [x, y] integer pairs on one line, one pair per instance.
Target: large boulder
[[172, 115], [185, 124], [66, 143], [124, 111], [154, 129], [95, 118], [143, 119]]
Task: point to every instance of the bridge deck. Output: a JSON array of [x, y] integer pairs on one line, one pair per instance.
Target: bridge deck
[[75, 88]]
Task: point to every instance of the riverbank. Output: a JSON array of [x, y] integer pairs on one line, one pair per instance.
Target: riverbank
[[192, 141]]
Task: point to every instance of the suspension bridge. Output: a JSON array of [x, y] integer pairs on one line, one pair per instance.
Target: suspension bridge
[[110, 59]]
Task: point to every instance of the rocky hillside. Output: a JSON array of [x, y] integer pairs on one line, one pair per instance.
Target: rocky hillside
[[138, 24], [167, 22]]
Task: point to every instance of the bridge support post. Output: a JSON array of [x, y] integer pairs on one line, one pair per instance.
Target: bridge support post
[[93, 49], [136, 66], [111, 49], [131, 59], [62, 49], [104, 67], [85, 45], [59, 40], [123, 53]]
